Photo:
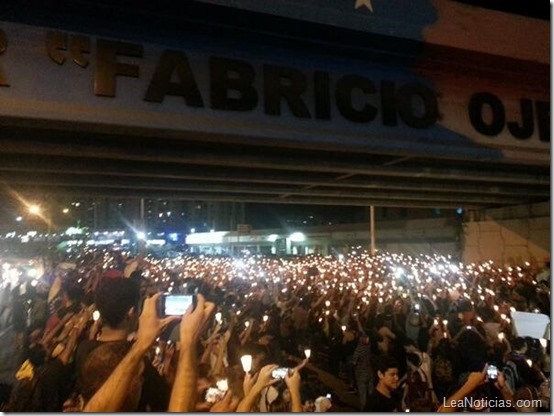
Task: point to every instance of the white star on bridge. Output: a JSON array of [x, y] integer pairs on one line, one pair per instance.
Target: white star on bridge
[[366, 3]]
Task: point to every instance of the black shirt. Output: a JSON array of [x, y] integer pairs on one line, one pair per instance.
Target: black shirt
[[376, 402]]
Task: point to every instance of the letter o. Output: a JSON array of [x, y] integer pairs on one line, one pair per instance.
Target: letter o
[[477, 103]]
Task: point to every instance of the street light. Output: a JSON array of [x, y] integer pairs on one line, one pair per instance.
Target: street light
[[34, 209]]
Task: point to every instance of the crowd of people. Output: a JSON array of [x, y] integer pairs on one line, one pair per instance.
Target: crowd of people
[[270, 334]]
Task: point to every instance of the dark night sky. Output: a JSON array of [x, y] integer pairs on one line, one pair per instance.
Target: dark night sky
[[532, 8]]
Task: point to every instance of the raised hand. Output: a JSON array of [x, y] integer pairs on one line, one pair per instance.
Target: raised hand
[[265, 378], [150, 325], [194, 321]]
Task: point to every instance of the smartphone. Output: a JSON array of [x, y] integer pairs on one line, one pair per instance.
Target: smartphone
[[213, 394], [280, 373], [492, 372], [416, 307], [176, 305]]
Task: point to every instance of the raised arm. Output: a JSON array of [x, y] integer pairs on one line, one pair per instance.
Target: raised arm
[[293, 384], [264, 380], [183, 395]]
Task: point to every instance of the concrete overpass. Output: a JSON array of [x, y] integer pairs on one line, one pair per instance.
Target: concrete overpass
[[439, 105]]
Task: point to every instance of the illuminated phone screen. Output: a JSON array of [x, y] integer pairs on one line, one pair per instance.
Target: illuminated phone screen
[[177, 304]]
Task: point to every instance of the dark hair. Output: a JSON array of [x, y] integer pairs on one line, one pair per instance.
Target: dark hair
[[37, 355], [73, 290], [385, 363], [413, 358], [519, 343], [114, 297]]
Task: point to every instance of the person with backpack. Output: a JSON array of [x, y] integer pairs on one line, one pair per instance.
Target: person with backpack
[[417, 388], [419, 362], [517, 371]]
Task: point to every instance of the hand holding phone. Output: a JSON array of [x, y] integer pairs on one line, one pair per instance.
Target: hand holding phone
[[280, 373]]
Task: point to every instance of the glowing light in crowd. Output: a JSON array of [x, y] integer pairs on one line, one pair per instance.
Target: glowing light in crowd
[[222, 384], [246, 361], [308, 353], [367, 280], [398, 272], [96, 315]]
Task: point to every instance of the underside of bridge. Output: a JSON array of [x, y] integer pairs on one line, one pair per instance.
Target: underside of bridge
[[125, 166]]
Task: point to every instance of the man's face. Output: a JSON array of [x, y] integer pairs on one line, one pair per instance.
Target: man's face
[[389, 378]]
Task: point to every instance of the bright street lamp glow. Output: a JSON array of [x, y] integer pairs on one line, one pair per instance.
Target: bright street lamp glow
[[272, 238], [34, 209], [297, 237], [141, 235]]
